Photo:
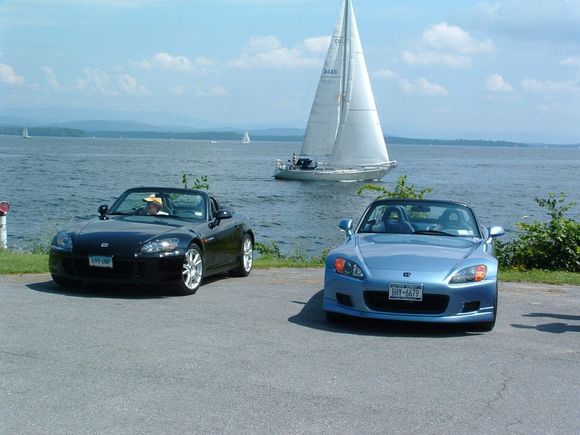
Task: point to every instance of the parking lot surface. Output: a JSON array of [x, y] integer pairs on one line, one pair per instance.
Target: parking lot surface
[[256, 355]]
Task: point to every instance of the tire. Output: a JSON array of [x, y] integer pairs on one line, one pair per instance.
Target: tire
[[333, 317], [246, 257], [487, 326], [64, 282], [191, 271]]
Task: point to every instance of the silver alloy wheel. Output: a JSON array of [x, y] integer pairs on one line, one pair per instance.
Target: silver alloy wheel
[[192, 269], [248, 254]]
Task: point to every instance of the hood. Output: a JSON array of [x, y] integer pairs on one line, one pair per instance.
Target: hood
[[414, 252], [120, 234]]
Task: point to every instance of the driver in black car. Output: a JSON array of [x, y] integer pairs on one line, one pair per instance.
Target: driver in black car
[[154, 205]]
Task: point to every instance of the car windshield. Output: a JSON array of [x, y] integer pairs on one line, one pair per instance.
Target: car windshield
[[420, 217], [188, 205]]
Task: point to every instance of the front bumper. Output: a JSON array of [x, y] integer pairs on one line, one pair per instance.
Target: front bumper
[[127, 270], [442, 303]]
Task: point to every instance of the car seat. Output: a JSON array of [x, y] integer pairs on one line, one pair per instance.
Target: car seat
[[395, 220]]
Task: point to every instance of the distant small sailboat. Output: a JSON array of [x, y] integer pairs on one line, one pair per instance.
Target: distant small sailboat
[[344, 140], [25, 133], [246, 138], [213, 141]]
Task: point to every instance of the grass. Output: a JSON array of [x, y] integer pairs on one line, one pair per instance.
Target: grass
[[540, 276], [15, 262]]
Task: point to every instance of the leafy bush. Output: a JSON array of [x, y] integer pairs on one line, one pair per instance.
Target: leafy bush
[[551, 246], [272, 254], [269, 251], [200, 183], [402, 190]]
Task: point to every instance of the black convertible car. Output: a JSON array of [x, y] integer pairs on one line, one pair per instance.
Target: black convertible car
[[155, 236]]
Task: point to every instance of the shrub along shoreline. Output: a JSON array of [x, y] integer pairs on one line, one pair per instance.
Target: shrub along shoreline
[[19, 263]]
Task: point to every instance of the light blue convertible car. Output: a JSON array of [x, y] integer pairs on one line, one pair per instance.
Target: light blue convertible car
[[415, 260]]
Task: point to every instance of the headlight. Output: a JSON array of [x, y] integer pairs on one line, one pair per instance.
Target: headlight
[[470, 274], [63, 241], [163, 245], [347, 267]]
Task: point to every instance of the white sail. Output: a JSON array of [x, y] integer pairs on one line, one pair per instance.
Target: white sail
[[359, 140], [246, 138], [325, 113], [25, 132]]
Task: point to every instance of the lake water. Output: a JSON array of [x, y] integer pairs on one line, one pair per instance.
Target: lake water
[[53, 181]]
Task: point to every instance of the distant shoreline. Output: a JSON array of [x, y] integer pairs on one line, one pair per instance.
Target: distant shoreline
[[255, 135]]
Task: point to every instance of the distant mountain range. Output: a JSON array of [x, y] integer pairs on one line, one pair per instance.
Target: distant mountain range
[[61, 122]]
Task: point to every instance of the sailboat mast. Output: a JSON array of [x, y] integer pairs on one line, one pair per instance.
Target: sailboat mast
[[343, 85]]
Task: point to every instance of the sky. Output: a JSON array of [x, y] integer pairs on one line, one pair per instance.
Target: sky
[[500, 70]]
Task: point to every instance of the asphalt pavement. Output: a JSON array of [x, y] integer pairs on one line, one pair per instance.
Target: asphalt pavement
[[256, 355]]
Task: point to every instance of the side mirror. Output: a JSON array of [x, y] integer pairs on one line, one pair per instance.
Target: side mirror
[[346, 225], [221, 214], [496, 231], [103, 210]]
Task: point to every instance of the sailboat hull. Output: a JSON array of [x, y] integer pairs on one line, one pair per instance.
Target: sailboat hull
[[366, 173]]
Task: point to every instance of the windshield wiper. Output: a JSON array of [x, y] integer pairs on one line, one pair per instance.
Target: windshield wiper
[[435, 233]]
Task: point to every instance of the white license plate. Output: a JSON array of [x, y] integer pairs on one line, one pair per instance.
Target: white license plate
[[100, 261], [406, 292]]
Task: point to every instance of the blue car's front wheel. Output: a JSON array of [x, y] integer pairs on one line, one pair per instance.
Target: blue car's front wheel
[[487, 326]]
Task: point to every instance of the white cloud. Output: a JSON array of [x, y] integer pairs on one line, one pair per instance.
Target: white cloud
[[204, 62], [178, 90], [431, 58], [129, 85], [212, 91], [571, 61], [422, 86], [9, 76], [101, 82], [385, 74], [167, 61], [51, 78], [141, 64], [317, 45], [488, 11], [533, 85], [447, 45], [442, 36], [496, 83], [268, 52]]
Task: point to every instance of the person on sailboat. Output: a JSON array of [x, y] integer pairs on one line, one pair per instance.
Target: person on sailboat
[[294, 160]]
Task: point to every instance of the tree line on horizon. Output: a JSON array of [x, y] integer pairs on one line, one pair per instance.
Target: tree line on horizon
[[229, 135]]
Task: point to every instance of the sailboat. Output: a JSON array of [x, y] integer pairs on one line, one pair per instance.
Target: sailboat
[[344, 140], [25, 133], [246, 138]]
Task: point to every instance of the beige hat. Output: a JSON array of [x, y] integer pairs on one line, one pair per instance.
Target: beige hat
[[154, 199]]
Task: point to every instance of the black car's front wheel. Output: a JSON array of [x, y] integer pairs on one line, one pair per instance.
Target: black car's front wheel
[[246, 258], [191, 271]]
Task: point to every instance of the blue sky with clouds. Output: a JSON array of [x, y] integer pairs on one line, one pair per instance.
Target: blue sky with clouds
[[503, 69]]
